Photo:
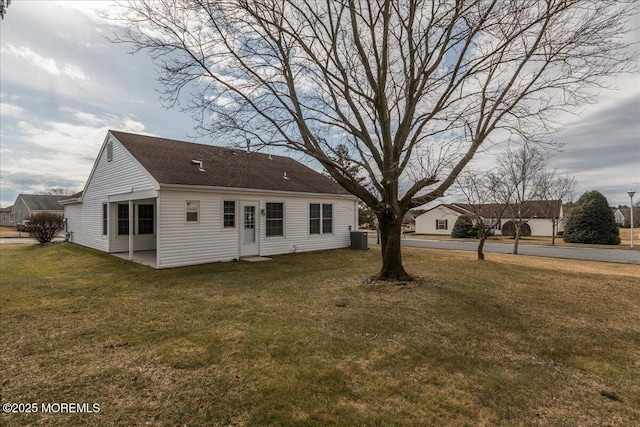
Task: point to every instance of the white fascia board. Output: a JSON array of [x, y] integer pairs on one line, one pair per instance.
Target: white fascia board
[[73, 201], [214, 189], [133, 195]]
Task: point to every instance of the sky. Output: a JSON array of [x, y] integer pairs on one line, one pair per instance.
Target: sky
[[63, 84]]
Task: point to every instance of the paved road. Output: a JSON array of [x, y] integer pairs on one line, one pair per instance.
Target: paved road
[[588, 254]]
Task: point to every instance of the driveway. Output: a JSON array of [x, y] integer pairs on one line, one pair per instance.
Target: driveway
[[587, 254]]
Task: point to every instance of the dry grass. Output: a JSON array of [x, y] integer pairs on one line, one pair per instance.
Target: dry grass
[[6, 231], [301, 340]]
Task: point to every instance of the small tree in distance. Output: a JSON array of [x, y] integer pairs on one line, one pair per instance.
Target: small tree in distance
[[551, 187], [488, 196], [44, 226], [592, 221]]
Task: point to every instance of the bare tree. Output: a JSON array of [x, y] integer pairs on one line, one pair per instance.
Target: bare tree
[[57, 191], [413, 89], [521, 169], [487, 197], [553, 187]]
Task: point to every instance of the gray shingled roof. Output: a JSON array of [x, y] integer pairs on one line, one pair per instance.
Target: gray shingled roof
[[530, 209], [170, 162], [43, 202]]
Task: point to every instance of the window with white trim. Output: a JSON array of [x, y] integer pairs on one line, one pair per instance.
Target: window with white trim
[[105, 219], [123, 220], [442, 224], [275, 219], [320, 218], [193, 210], [229, 220], [145, 219]]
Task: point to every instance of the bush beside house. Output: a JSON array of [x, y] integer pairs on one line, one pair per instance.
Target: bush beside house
[[44, 226], [463, 228]]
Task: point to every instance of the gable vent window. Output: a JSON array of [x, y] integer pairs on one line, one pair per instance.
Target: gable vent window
[[109, 151]]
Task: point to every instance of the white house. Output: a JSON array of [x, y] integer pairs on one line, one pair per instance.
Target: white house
[[537, 213], [187, 203]]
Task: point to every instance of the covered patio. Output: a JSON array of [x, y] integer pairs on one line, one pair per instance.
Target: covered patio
[[147, 258]]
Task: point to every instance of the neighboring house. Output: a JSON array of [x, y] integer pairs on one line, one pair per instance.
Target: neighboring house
[[441, 219], [6, 216], [192, 203], [408, 220], [623, 217], [27, 204]]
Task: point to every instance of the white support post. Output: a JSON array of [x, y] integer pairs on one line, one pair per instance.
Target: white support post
[[131, 230]]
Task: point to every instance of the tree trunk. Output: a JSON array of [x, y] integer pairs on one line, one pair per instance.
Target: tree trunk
[[480, 248], [390, 233], [517, 240], [553, 233]]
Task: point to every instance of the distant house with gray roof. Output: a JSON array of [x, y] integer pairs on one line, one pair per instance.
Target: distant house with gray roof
[[183, 203], [27, 204]]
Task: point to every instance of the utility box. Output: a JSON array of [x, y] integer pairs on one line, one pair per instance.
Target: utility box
[[359, 240]]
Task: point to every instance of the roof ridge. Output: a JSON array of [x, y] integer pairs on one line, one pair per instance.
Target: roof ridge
[[222, 147]]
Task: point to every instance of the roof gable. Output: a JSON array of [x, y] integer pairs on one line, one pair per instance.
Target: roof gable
[[184, 163]]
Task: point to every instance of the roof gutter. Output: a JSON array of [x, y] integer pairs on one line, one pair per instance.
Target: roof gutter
[[217, 189]]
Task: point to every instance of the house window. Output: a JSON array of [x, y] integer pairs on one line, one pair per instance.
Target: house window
[[320, 217], [275, 219], [229, 214], [442, 224], [145, 219], [193, 210], [109, 151], [314, 218], [123, 219], [327, 219], [105, 219]]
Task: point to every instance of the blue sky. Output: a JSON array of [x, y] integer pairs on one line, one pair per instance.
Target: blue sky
[[63, 84]]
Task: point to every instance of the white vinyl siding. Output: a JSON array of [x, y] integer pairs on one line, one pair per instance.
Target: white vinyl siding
[[121, 175], [442, 216], [297, 238], [187, 243], [182, 243]]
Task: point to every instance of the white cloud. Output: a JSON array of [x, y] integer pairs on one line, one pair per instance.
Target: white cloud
[[66, 151], [10, 110], [49, 65]]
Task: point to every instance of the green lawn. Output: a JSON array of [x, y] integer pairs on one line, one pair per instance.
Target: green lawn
[[304, 340]]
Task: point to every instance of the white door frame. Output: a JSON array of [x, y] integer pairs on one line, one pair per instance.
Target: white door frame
[[249, 241]]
